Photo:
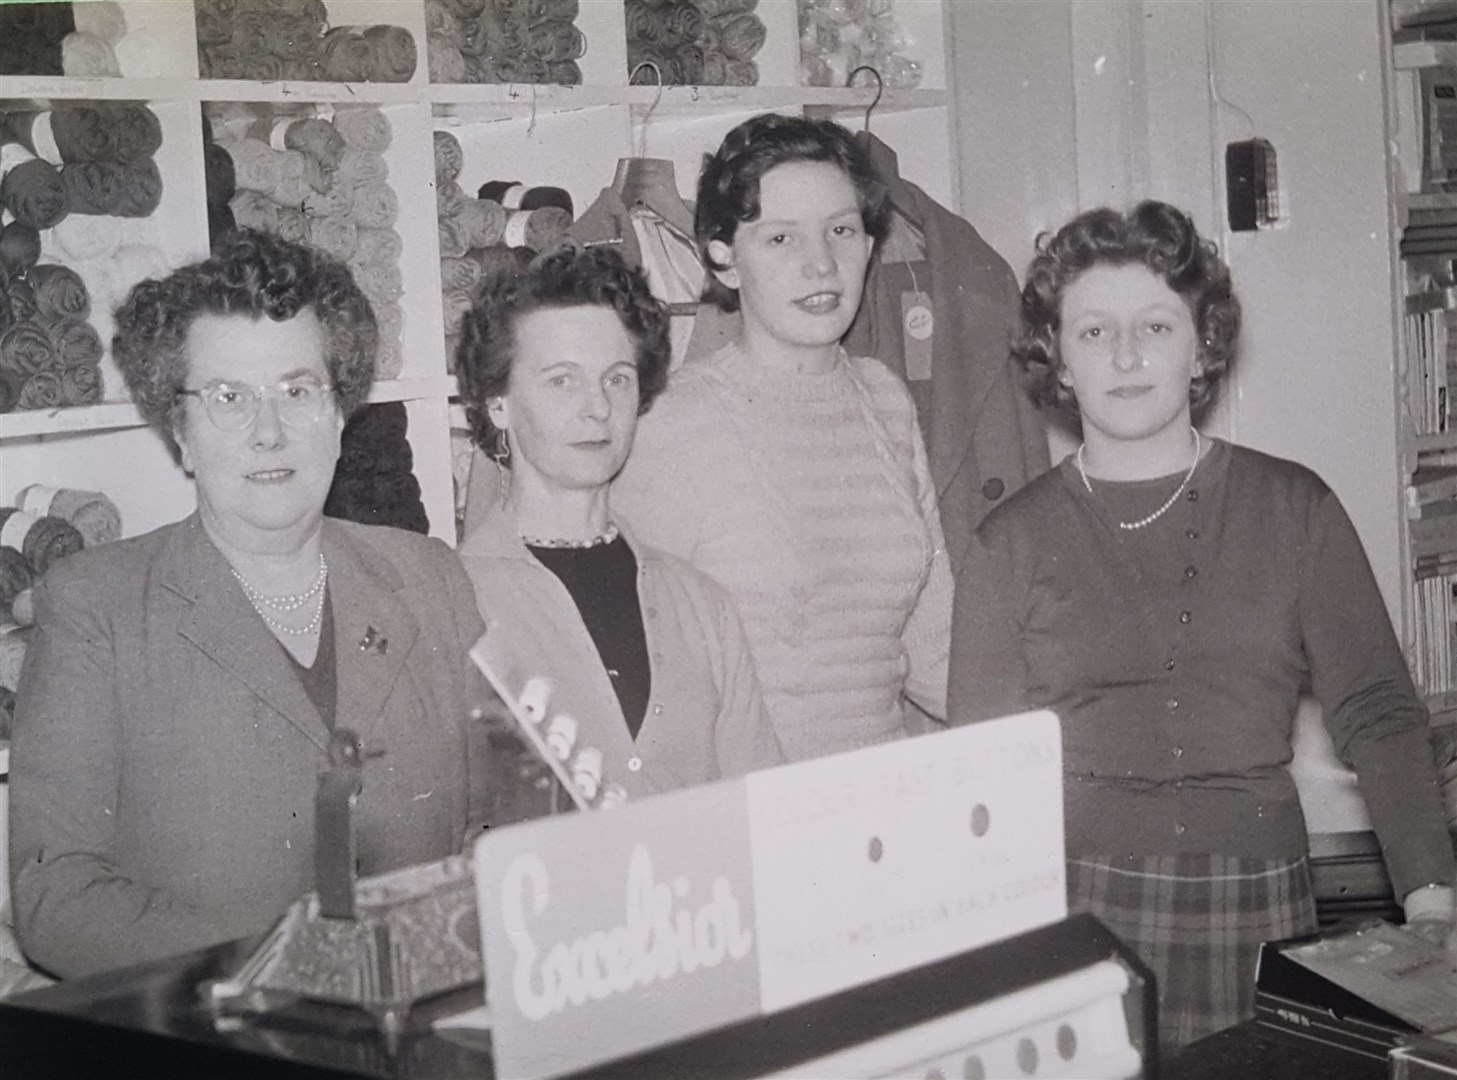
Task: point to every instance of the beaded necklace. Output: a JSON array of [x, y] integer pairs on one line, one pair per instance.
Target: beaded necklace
[[605, 537], [264, 604], [1129, 526]]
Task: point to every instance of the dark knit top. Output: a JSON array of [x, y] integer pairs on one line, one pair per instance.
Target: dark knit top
[[602, 581], [1175, 656]]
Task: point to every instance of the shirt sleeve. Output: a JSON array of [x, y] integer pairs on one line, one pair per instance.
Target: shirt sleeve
[[1377, 722], [987, 669], [927, 633], [76, 910]]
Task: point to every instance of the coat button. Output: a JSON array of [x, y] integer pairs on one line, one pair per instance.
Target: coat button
[[993, 488], [1190, 572], [1180, 828], [1178, 751], [1172, 703], [1168, 665], [1184, 616], [634, 764], [1191, 534], [652, 613], [1193, 496]]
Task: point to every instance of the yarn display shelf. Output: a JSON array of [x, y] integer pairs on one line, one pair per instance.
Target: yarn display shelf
[[26, 423], [673, 99]]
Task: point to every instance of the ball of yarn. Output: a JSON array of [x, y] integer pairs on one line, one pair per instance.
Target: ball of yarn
[[395, 55], [358, 166], [378, 246], [88, 56], [22, 299], [23, 609], [131, 189], [59, 292], [94, 515], [451, 238], [80, 384], [482, 221], [338, 235], [379, 282], [10, 387], [50, 540], [137, 260], [12, 656], [463, 274], [293, 225], [347, 56], [254, 210], [364, 127], [390, 359], [449, 158], [26, 348], [449, 198], [447, 64], [375, 206], [75, 341], [220, 178], [19, 248], [317, 138], [87, 237], [100, 18], [335, 201], [43, 390], [15, 576], [34, 194]]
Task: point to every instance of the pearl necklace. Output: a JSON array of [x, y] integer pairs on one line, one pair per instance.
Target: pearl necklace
[[262, 604], [606, 537], [1129, 526], [286, 603]]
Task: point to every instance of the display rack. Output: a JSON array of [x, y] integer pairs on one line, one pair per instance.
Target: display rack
[[541, 134]]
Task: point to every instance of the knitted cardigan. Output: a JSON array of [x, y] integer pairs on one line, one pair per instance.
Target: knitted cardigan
[[809, 499], [1175, 656]]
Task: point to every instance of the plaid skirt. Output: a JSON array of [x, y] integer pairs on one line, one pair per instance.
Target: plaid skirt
[[1198, 921]]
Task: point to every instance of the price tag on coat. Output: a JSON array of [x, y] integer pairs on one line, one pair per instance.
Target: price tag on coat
[[918, 328]]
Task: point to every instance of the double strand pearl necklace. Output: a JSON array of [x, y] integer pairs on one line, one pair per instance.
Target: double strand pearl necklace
[[605, 537], [1129, 526], [264, 604]]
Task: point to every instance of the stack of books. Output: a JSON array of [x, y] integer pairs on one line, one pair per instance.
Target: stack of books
[[1432, 530], [1430, 363]]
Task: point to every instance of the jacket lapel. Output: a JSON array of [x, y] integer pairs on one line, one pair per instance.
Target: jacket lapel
[[373, 631], [222, 623]]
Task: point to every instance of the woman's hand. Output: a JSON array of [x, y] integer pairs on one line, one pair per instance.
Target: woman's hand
[[1431, 914]]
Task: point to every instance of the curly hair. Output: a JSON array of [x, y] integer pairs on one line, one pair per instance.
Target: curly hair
[[728, 185], [592, 277], [1155, 235], [249, 273]]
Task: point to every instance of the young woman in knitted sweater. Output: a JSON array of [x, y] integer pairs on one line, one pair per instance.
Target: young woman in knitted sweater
[[789, 471]]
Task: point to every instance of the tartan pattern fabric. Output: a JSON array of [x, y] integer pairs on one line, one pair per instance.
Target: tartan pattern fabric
[[1198, 921]]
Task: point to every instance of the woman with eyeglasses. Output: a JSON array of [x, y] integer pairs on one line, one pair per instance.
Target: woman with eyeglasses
[[182, 688]]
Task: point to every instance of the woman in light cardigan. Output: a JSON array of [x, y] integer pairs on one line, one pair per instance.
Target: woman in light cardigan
[[791, 472], [556, 363]]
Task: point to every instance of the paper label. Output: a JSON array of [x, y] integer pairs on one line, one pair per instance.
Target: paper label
[[38, 498], [918, 327], [515, 234], [12, 533], [44, 139], [606, 933]]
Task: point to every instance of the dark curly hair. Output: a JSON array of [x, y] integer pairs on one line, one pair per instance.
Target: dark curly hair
[[249, 273], [592, 277], [1155, 235], [728, 185]]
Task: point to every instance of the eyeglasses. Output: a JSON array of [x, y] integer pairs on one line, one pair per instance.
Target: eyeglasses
[[233, 406]]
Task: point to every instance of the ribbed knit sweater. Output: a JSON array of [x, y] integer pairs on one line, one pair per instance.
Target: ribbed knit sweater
[[809, 499]]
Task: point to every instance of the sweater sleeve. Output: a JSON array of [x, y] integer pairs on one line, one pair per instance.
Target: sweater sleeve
[[1377, 723], [927, 633], [77, 910], [987, 671], [744, 740]]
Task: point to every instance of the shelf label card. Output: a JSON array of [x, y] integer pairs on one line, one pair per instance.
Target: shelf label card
[[607, 933]]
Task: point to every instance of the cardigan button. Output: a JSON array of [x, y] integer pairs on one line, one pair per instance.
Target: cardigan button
[[1190, 572], [634, 764], [1191, 534], [1178, 752], [1184, 616], [1193, 496], [1180, 828], [652, 613], [1172, 703], [993, 488], [1168, 665]]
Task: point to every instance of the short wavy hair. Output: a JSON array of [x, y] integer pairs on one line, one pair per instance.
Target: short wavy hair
[[1154, 235], [593, 277], [728, 184], [249, 273]]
